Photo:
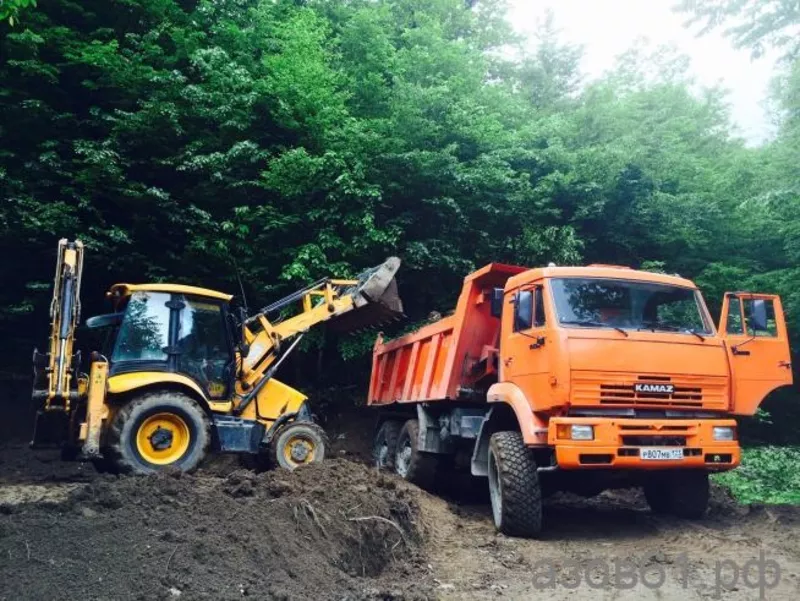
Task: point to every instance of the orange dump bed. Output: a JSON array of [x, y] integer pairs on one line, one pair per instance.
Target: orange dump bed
[[449, 357]]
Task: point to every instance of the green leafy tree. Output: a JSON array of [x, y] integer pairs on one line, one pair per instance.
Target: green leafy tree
[[753, 24]]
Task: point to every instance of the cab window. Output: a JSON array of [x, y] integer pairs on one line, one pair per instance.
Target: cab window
[[734, 322], [523, 310], [144, 332], [538, 303], [204, 349], [760, 317]]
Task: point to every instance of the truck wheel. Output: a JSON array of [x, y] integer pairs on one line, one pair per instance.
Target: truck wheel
[[158, 430], [299, 443], [656, 492], [384, 447], [689, 492], [410, 463], [514, 490]]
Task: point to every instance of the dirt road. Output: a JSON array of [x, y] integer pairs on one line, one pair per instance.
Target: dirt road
[[627, 552], [343, 531]]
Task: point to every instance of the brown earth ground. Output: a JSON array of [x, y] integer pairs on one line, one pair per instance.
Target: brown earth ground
[[343, 531]]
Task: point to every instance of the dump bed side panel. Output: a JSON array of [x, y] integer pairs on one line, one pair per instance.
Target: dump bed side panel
[[410, 368], [449, 355]]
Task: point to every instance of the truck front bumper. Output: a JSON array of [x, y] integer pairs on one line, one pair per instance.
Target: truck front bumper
[[618, 443]]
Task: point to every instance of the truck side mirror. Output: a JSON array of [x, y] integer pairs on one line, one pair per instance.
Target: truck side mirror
[[497, 302], [757, 320]]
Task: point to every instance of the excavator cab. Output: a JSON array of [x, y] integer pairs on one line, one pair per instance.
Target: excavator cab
[[183, 371]]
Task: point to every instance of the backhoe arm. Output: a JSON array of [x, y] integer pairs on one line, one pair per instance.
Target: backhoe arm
[[367, 300], [55, 384]]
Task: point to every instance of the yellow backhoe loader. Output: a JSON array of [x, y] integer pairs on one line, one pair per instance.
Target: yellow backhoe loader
[[185, 373]]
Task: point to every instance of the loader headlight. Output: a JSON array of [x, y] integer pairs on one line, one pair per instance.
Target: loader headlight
[[724, 433], [581, 433]]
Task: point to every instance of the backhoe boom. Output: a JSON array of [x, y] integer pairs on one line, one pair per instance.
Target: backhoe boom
[[54, 385]]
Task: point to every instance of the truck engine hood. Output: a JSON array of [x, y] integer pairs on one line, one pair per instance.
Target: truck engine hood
[[670, 371]]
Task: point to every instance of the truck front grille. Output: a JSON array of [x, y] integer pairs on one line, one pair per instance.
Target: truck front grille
[[684, 396], [612, 388]]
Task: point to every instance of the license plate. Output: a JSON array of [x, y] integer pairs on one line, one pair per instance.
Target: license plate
[[656, 454]]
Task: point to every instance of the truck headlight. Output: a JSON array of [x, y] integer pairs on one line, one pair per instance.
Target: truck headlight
[[582, 432], [724, 433]]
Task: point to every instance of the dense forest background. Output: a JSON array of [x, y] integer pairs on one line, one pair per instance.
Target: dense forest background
[[182, 139]]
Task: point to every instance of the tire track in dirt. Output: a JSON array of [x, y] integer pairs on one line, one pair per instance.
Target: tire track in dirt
[[471, 561]]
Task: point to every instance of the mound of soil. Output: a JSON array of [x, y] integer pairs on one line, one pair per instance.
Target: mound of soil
[[339, 530]]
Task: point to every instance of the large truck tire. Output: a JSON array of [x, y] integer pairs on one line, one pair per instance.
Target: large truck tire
[[689, 493], [683, 493], [410, 463], [656, 493], [158, 430], [384, 447], [514, 489], [297, 444]]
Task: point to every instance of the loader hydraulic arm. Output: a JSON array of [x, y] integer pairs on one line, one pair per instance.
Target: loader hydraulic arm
[[55, 384], [367, 300]]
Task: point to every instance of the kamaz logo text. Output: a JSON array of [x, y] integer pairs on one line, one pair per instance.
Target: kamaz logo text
[[656, 388]]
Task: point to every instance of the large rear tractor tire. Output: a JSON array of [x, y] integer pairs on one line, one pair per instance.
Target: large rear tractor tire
[[514, 489], [384, 447], [410, 463], [158, 430], [297, 444]]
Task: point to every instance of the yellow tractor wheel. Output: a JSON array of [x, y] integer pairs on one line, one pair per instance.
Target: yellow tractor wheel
[[158, 430], [299, 443]]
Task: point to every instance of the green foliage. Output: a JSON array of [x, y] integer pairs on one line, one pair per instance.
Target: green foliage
[[766, 475], [10, 9], [754, 24], [303, 139]]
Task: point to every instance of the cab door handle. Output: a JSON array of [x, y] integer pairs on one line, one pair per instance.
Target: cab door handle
[[786, 364], [508, 361]]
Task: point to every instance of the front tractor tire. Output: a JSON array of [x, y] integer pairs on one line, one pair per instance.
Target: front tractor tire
[[297, 444], [514, 490], [158, 430]]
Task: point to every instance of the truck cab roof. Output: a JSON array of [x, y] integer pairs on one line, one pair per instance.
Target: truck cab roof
[[612, 272]]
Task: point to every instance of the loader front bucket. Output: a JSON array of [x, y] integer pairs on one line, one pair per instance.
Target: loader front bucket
[[375, 299]]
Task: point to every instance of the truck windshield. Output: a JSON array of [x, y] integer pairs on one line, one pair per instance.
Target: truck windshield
[[628, 305]]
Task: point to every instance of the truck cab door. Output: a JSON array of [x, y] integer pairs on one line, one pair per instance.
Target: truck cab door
[[524, 357], [757, 343]]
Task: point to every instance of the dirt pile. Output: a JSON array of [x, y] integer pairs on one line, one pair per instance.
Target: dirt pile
[[335, 531]]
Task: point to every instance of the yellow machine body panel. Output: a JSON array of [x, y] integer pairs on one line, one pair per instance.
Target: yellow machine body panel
[[127, 382], [274, 399]]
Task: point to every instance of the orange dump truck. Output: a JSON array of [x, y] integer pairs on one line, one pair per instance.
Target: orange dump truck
[[578, 379]]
